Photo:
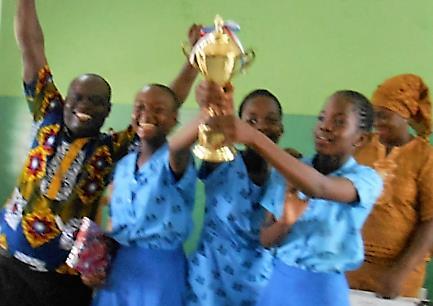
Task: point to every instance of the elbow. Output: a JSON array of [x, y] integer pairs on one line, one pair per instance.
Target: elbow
[[317, 191], [265, 241]]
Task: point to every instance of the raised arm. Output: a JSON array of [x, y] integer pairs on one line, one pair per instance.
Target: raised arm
[[183, 139], [183, 82], [30, 39], [181, 142], [303, 177]]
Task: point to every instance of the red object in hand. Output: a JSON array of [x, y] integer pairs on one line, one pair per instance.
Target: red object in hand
[[90, 253]]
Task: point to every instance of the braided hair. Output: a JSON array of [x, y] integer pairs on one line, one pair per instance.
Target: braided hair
[[363, 107]]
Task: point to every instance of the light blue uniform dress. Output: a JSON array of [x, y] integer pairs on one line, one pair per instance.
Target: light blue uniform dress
[[229, 267], [325, 242], [151, 218]]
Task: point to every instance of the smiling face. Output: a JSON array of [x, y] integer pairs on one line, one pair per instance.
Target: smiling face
[[262, 113], [389, 126], [154, 113], [86, 106], [337, 131]]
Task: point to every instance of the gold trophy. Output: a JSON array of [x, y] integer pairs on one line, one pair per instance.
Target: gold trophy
[[218, 55]]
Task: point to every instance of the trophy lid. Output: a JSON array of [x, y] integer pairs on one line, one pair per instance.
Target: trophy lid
[[220, 41], [219, 55]]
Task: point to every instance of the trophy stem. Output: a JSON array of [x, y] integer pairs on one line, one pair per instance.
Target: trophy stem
[[210, 144], [218, 55], [222, 154]]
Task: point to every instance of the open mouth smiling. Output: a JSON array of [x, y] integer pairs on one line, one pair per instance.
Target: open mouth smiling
[[83, 117], [323, 139]]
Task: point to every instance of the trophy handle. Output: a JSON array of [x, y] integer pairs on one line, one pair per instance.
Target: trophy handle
[[186, 50], [246, 59]]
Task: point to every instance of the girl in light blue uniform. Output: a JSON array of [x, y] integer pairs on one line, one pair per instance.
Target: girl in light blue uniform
[[230, 267], [151, 207], [315, 219], [322, 244]]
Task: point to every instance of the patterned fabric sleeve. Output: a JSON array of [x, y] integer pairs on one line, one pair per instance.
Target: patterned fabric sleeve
[[121, 142], [425, 189], [42, 94], [273, 198], [185, 185], [368, 185]]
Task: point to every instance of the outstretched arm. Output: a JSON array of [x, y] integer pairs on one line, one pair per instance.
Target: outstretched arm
[[182, 84], [30, 39], [303, 177]]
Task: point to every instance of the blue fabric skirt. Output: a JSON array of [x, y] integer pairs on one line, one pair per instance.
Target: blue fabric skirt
[[223, 273], [144, 277], [291, 286]]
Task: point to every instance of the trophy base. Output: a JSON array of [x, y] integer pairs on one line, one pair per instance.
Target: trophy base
[[222, 154]]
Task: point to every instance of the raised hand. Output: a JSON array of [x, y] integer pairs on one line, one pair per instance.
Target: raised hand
[[194, 33], [210, 95]]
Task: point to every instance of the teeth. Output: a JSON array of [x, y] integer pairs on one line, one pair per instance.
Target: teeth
[[83, 116], [145, 125], [144, 128], [325, 139]]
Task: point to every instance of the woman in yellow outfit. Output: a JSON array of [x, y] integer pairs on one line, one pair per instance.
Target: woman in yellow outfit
[[398, 234]]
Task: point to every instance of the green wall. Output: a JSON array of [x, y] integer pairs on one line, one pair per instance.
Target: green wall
[[306, 49]]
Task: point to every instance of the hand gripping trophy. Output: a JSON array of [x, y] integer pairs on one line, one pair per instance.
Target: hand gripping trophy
[[218, 55]]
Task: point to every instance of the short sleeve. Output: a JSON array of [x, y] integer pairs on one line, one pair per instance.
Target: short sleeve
[[425, 189], [368, 185], [42, 95], [189, 176], [273, 197], [187, 183]]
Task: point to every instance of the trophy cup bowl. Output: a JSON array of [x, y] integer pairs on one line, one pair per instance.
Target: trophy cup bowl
[[218, 55]]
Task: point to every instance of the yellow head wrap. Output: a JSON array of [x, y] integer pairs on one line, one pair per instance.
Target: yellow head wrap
[[408, 96]]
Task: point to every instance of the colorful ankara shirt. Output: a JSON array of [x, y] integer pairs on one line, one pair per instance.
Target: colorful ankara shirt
[[61, 182], [149, 207], [229, 267], [327, 236]]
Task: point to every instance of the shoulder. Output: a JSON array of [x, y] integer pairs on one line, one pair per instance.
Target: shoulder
[[421, 146], [363, 172], [367, 182]]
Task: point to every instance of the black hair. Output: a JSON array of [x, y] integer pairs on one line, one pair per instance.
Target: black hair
[[363, 107], [170, 91], [260, 93]]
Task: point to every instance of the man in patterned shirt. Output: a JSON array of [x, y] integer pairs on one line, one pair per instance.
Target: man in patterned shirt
[[65, 173]]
